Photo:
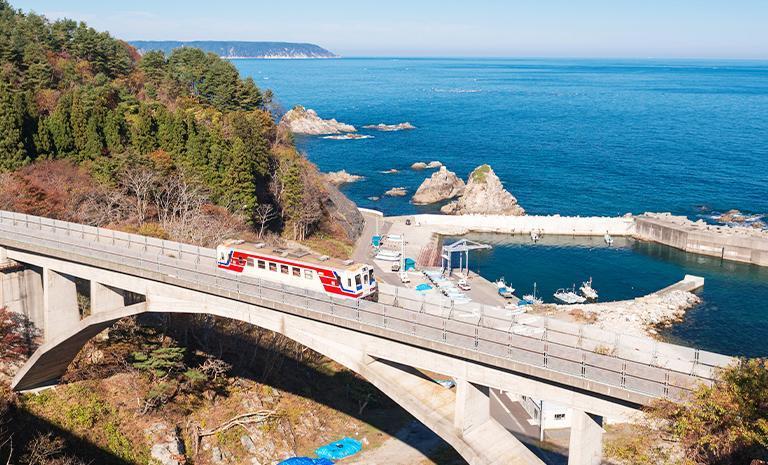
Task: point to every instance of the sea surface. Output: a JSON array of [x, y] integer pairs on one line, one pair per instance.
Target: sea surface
[[575, 137]]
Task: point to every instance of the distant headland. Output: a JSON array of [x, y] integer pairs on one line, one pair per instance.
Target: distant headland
[[239, 49]]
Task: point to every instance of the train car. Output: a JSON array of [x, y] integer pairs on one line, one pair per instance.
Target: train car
[[298, 268]]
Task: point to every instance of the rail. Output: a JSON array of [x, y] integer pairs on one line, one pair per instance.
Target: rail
[[663, 371]]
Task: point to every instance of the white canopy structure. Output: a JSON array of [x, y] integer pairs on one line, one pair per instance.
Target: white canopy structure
[[463, 247]]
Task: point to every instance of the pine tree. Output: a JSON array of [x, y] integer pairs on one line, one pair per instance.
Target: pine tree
[[144, 133]]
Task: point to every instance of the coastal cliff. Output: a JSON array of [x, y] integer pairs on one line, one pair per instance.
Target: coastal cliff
[[484, 195], [302, 120], [442, 185]]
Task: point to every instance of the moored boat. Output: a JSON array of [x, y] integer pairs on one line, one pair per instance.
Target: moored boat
[[569, 296], [587, 290]]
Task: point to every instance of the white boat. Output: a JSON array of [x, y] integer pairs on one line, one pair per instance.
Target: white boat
[[587, 290], [504, 289], [608, 239], [463, 285], [532, 299], [535, 236], [569, 296]]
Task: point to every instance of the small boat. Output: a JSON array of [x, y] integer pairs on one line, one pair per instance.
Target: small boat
[[388, 255], [531, 299], [504, 289], [535, 236], [569, 296], [463, 285], [404, 278], [608, 239], [587, 290]]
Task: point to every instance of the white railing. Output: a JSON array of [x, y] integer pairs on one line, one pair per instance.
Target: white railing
[[652, 368]]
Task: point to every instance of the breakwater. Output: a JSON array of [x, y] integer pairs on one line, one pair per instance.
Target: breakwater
[[551, 224], [737, 244]]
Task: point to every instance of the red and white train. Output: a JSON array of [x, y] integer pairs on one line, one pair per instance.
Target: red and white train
[[298, 268]]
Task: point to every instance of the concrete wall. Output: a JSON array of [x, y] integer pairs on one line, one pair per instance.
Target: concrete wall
[[713, 242], [555, 225]]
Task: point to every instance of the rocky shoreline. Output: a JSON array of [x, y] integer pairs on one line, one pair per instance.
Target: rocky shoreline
[[642, 316]]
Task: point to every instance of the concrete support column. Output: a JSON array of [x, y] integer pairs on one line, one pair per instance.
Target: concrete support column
[[105, 298], [3, 254], [59, 304], [586, 443], [473, 407]]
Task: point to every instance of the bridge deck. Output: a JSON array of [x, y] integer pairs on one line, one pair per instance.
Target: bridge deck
[[547, 349]]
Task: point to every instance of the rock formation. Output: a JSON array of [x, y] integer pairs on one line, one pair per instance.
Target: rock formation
[[341, 177], [343, 212], [397, 192], [390, 127], [420, 165], [442, 185], [305, 121], [484, 195]]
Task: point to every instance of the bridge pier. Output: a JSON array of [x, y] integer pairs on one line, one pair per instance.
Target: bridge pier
[[22, 292], [586, 443], [473, 406], [59, 304]]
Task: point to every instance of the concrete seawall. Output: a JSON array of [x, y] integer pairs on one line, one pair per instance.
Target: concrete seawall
[[741, 245], [554, 225]]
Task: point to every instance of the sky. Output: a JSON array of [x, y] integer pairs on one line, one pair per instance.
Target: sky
[[515, 28]]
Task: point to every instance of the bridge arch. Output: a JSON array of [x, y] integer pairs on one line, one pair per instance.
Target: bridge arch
[[426, 400]]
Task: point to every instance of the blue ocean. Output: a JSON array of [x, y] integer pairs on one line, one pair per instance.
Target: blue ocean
[[575, 137]]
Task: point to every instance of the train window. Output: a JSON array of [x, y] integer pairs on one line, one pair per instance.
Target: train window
[[349, 282], [284, 269], [358, 281], [308, 274], [296, 272], [365, 278], [249, 262], [370, 273], [272, 266], [262, 264]]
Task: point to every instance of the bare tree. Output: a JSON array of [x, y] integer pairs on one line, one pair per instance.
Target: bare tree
[[139, 183], [103, 206], [178, 199], [264, 214]]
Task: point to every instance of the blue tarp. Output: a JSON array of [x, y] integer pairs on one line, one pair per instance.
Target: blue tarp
[[339, 449], [423, 287], [410, 264], [305, 461], [376, 241]]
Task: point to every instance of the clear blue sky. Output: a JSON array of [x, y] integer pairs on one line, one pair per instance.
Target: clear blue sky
[[560, 28]]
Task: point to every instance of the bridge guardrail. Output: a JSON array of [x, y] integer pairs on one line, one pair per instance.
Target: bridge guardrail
[[519, 341]]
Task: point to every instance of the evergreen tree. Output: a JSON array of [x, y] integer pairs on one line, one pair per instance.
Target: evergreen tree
[[238, 180], [144, 131], [114, 131], [13, 154]]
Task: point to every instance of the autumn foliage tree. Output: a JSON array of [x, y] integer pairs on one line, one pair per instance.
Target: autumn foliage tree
[[722, 424], [14, 338]]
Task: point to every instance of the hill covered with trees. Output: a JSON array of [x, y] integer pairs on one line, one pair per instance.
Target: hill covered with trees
[[238, 49], [155, 135]]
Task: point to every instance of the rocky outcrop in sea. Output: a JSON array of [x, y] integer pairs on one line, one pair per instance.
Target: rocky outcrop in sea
[[397, 192], [338, 178], [420, 165], [484, 195], [301, 120], [442, 185], [390, 127]]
